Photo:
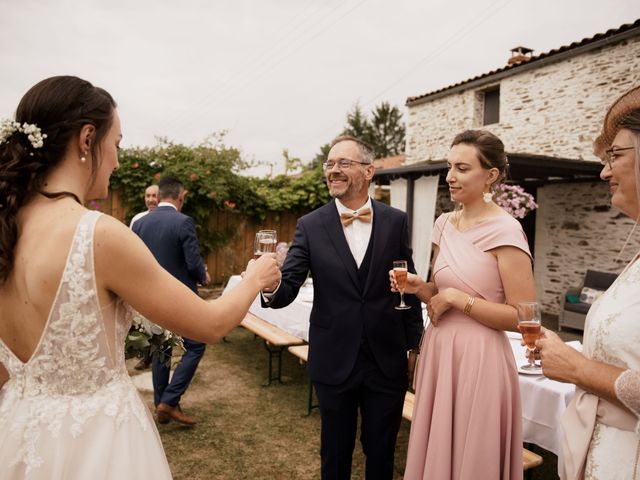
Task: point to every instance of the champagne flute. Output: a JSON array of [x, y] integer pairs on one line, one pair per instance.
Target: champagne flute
[[529, 322], [400, 274], [264, 242]]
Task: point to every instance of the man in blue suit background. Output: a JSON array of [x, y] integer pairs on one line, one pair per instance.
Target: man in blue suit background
[[171, 236], [358, 342]]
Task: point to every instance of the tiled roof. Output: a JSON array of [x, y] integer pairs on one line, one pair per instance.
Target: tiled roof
[[542, 59], [389, 162]]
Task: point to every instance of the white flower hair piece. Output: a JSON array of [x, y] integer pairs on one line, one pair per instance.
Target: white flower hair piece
[[31, 130]]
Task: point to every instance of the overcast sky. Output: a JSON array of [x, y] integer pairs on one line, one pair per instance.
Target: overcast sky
[[275, 74]]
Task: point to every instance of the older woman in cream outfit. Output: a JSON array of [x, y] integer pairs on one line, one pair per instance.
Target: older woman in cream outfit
[[601, 428]]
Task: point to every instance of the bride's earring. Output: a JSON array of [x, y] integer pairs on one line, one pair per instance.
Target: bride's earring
[[487, 196]]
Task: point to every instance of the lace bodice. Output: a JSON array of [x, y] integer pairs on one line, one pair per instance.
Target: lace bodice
[[74, 354], [77, 370], [612, 334]]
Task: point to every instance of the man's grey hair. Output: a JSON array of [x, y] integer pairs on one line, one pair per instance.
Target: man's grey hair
[[366, 151]]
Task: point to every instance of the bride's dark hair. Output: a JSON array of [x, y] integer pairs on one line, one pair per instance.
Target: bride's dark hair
[[59, 107]]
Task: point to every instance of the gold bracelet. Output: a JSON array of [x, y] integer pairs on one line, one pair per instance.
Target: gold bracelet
[[469, 305]]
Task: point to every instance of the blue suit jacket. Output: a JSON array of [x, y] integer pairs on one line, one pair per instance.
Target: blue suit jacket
[[171, 236], [344, 312]]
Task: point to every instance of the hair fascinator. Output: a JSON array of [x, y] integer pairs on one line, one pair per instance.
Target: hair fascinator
[[625, 104]]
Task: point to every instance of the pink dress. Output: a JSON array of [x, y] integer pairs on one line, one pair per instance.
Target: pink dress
[[467, 421]]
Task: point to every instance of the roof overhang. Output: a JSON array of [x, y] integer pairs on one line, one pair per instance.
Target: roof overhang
[[522, 168]]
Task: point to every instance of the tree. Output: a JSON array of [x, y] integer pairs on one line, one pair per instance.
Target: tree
[[386, 130], [358, 125]]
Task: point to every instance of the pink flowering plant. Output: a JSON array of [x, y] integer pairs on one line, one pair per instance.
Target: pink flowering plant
[[514, 200]]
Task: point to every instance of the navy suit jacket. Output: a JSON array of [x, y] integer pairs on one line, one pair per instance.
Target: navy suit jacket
[[171, 236], [345, 312]]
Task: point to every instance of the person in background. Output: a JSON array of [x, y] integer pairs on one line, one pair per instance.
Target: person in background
[[171, 236], [68, 408], [150, 200], [467, 419], [601, 431], [358, 342]]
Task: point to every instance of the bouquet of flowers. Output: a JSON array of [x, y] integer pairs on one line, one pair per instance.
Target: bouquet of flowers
[[514, 200], [148, 340]]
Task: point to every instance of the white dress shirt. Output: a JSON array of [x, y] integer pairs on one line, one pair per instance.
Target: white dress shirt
[[137, 217], [358, 233]]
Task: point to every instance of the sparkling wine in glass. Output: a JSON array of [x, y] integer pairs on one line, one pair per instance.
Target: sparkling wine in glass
[[400, 274], [529, 322], [265, 242]]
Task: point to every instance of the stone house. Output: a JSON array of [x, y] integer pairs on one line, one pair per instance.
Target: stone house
[[547, 109]]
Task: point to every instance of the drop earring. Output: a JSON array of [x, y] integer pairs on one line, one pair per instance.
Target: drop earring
[[487, 196], [83, 159]]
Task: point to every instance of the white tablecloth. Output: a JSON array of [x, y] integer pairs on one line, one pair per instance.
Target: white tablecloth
[[293, 318], [543, 400]]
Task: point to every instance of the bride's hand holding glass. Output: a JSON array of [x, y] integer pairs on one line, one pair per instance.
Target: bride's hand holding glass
[[264, 271]]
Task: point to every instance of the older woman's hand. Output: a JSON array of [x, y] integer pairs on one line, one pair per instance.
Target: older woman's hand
[[559, 361]]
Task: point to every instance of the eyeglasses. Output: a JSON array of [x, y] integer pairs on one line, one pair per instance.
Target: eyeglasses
[[613, 153], [343, 164]]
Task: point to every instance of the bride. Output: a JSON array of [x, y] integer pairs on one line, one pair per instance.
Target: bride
[[68, 409]]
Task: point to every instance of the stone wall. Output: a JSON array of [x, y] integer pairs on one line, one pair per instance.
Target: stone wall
[[554, 110], [576, 230]]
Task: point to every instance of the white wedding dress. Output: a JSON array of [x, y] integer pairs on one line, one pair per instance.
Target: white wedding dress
[[71, 412]]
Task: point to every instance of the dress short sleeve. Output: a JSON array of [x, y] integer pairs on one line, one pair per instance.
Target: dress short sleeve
[[438, 228], [504, 231]]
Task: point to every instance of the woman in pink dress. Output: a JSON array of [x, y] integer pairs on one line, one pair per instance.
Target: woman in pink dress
[[467, 418]]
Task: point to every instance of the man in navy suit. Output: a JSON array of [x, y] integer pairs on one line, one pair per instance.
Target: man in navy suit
[[171, 236], [358, 342]]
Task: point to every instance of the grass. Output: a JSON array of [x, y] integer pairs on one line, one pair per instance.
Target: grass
[[247, 431]]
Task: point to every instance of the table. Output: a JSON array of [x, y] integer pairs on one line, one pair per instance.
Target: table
[[293, 318], [543, 400]]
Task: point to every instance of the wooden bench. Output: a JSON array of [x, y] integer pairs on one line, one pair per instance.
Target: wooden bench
[[529, 459], [275, 341], [302, 352]]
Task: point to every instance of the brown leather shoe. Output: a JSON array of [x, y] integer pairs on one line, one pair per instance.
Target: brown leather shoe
[[162, 417], [166, 412], [143, 364]]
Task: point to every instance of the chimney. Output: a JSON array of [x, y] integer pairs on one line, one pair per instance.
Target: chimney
[[520, 55]]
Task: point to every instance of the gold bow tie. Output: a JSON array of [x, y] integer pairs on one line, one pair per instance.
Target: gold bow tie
[[363, 215]]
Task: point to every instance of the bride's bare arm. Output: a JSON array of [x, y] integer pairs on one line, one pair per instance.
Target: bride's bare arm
[[126, 267]]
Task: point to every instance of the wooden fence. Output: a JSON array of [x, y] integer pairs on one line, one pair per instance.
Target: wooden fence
[[233, 257]]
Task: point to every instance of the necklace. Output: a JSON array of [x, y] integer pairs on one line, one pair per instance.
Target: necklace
[[56, 195]]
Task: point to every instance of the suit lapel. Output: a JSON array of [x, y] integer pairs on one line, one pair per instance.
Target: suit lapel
[[333, 226], [380, 234]]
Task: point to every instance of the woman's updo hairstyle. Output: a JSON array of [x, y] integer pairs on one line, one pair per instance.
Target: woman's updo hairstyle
[[59, 107], [490, 150]]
